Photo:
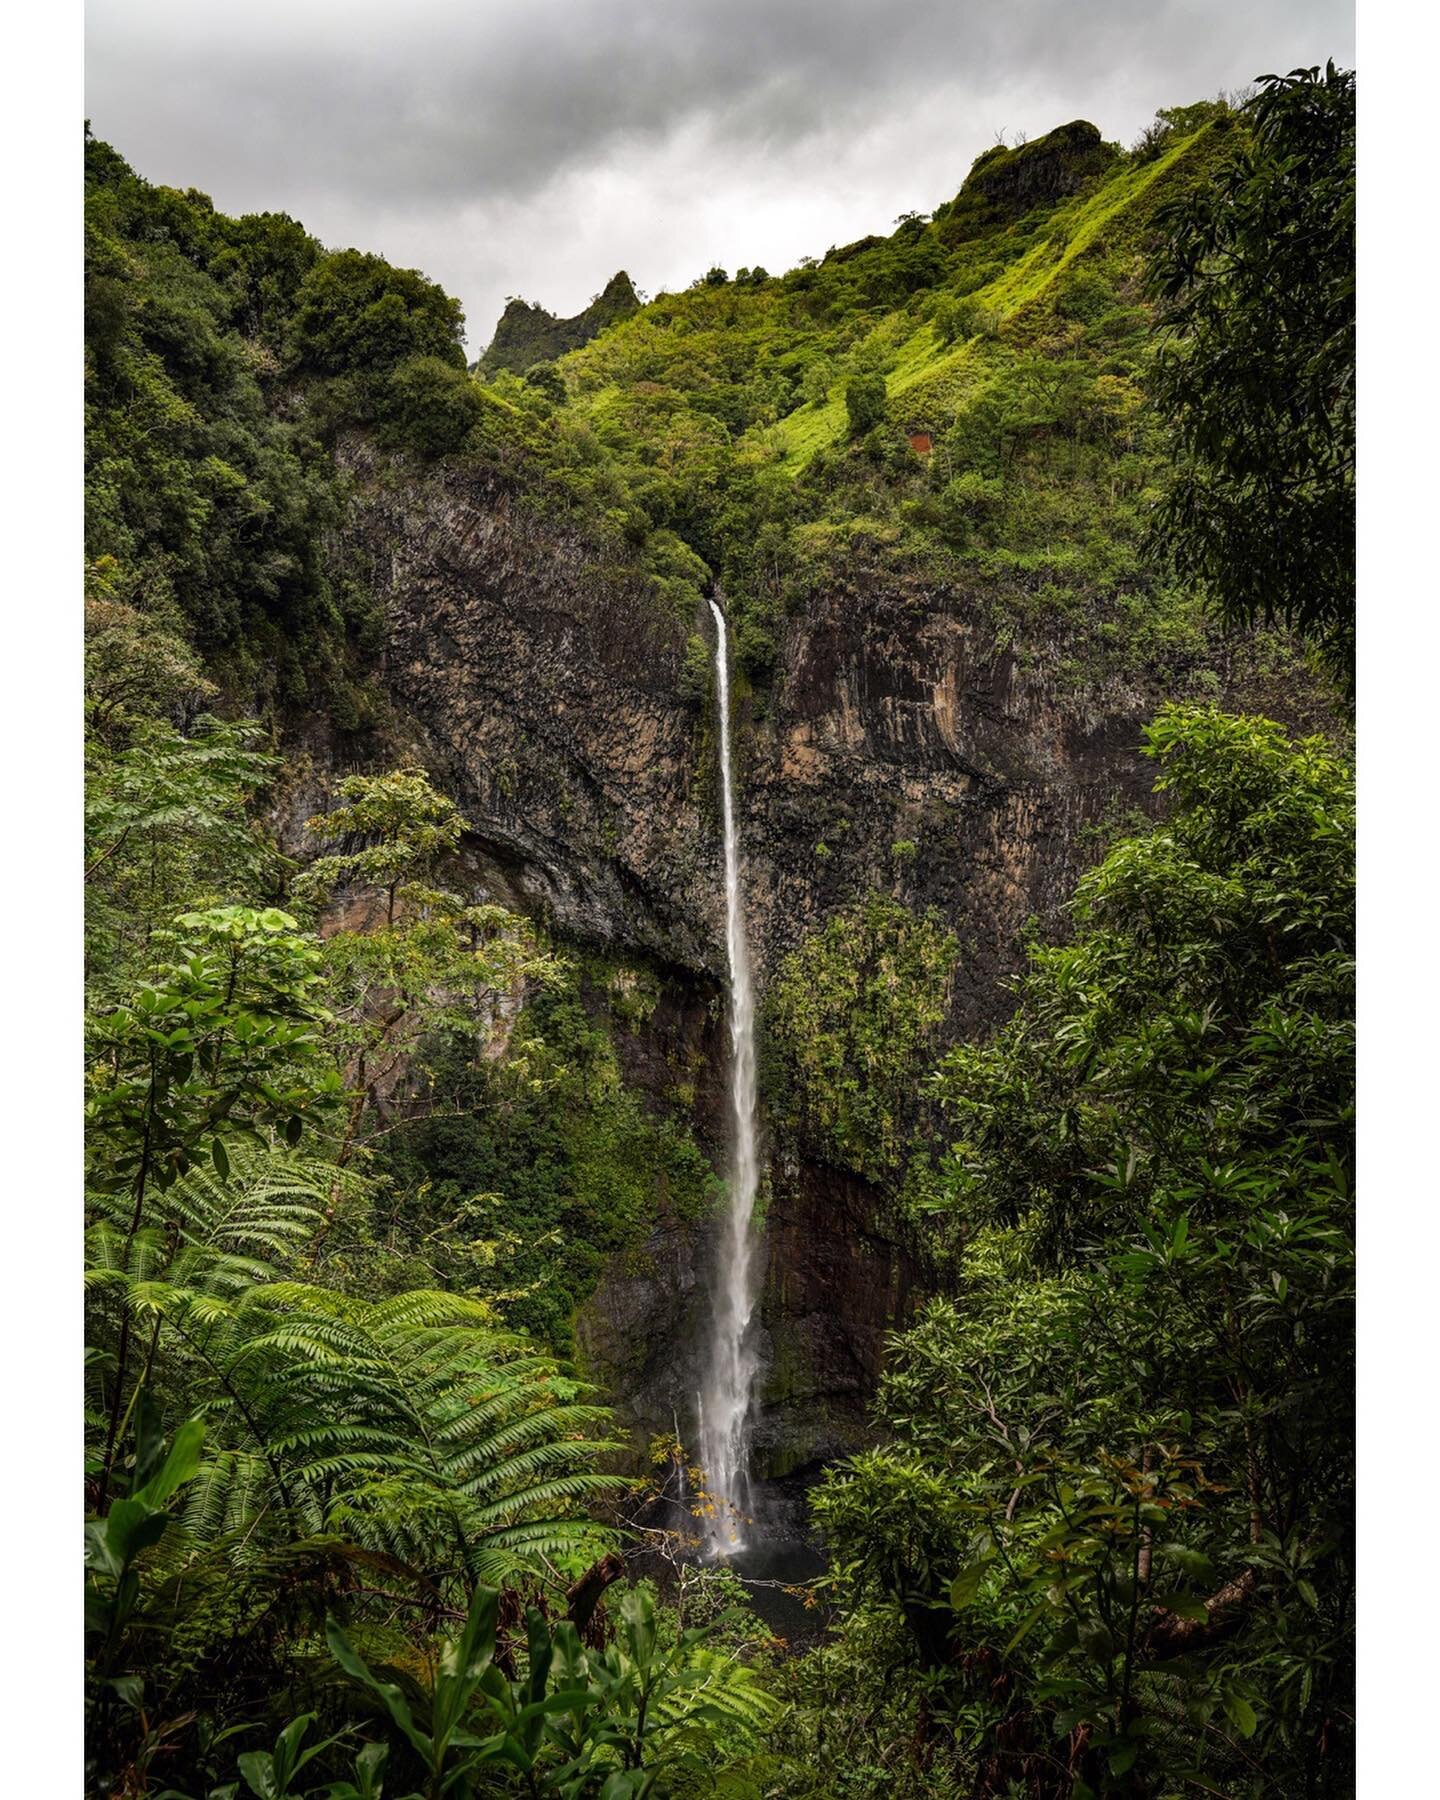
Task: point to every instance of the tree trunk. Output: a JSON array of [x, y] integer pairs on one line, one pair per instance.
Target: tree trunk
[[583, 1596], [1170, 1635]]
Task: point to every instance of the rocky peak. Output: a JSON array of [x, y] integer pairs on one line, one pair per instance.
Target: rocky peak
[[1009, 183], [527, 334]]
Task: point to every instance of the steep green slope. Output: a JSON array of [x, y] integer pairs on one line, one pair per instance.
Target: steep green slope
[[960, 403], [224, 357], [932, 372]]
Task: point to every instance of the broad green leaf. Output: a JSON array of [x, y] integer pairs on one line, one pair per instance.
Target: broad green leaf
[[179, 1466], [966, 1585]]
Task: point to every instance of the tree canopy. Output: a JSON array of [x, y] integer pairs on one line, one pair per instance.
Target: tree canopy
[[1115, 1510], [1256, 373]]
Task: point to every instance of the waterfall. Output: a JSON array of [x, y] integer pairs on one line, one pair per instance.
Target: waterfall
[[725, 1397]]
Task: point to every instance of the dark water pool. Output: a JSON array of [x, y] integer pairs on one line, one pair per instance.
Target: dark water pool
[[772, 1566], [779, 1560]]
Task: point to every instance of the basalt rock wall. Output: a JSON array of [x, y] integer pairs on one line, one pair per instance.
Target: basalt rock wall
[[547, 692]]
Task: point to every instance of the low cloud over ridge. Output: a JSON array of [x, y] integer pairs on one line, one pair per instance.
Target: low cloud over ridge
[[536, 149]]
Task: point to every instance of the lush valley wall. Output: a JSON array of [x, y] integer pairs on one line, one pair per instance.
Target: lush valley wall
[[899, 749], [915, 472], [407, 1047]]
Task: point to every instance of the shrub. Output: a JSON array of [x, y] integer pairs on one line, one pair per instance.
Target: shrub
[[354, 311], [957, 317], [1086, 295], [428, 406], [969, 500], [818, 380], [547, 379], [865, 403], [851, 1019], [695, 670]]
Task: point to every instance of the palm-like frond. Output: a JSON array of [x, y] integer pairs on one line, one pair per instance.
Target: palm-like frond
[[226, 1499], [198, 1246], [425, 1430], [725, 1691], [264, 1213], [412, 1425]]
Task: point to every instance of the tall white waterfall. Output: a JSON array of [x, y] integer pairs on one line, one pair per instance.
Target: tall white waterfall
[[725, 1397]]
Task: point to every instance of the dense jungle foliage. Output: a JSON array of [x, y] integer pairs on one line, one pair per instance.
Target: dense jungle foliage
[[359, 1147]]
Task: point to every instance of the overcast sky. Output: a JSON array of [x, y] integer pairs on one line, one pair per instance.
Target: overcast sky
[[535, 147]]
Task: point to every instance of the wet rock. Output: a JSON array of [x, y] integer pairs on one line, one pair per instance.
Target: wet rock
[[546, 692]]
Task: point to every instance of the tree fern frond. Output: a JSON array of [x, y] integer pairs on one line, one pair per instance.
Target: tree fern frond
[[409, 1424], [413, 1424], [543, 1497]]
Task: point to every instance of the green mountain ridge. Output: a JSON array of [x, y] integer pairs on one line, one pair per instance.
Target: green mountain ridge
[[959, 404], [756, 431]]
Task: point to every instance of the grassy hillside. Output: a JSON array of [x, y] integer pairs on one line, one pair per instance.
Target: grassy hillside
[[959, 404]]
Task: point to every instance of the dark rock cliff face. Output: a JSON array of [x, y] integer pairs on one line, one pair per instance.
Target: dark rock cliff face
[[549, 698]]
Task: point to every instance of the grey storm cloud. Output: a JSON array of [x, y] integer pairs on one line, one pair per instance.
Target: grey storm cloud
[[537, 146]]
